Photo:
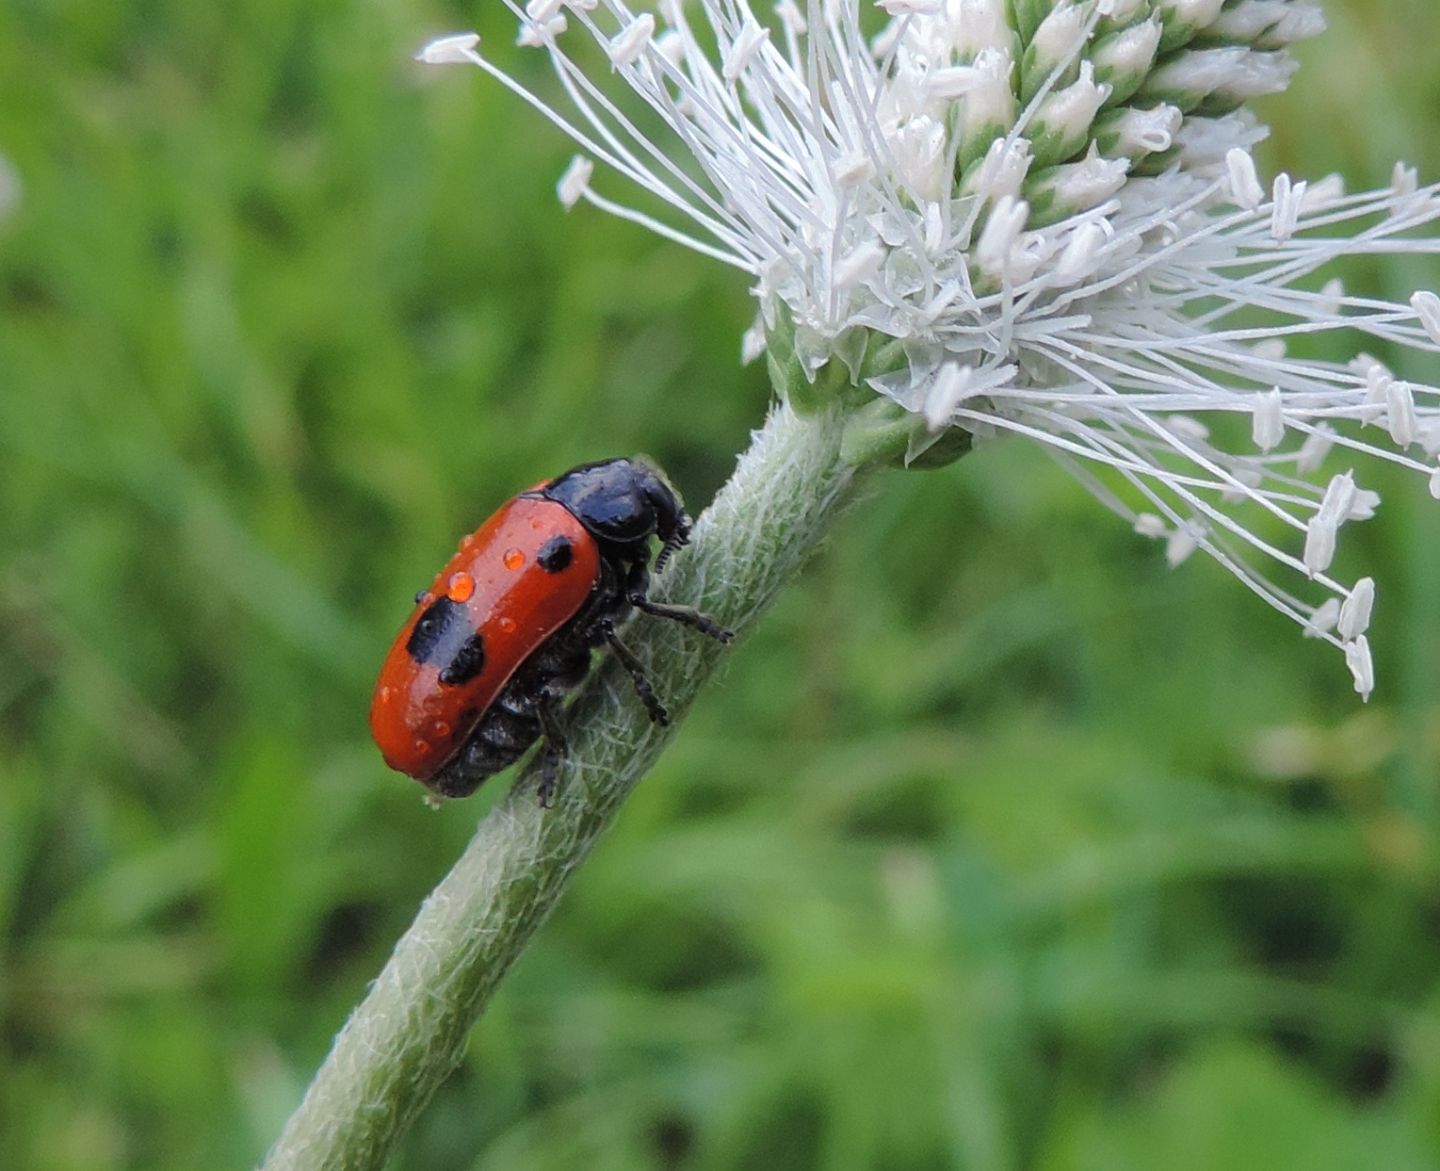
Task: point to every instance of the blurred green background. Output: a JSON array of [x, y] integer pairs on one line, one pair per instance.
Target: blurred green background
[[1000, 846]]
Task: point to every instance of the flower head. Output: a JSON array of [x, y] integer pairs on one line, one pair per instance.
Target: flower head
[[1036, 218]]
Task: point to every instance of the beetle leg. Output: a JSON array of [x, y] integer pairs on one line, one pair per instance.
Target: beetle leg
[[685, 615], [548, 709], [637, 674]]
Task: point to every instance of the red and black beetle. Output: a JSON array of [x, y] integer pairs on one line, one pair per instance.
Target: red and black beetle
[[479, 671]]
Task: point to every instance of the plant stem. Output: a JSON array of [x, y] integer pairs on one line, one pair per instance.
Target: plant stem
[[409, 1032]]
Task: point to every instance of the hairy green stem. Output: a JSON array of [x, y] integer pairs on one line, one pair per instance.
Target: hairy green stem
[[409, 1032]]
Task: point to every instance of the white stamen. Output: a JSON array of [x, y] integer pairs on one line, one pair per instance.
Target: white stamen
[[1400, 413], [882, 46], [1323, 193], [1323, 619], [791, 17], [1364, 505], [1357, 658], [671, 45], [1285, 214], [1245, 187], [1248, 481], [1180, 544], [747, 44], [575, 182], [1428, 436], [1002, 229], [1364, 365], [626, 46], [1188, 428], [452, 50], [1079, 255], [1147, 524], [1378, 381], [541, 35], [1268, 424], [1427, 308], [1319, 544], [1339, 498], [1332, 298], [1313, 451], [1355, 612]]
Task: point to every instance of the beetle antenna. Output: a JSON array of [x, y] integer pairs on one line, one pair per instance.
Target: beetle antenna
[[676, 540]]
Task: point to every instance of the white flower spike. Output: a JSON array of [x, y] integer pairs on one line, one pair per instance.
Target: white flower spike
[[1038, 218]]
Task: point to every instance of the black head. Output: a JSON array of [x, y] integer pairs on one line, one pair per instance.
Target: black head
[[624, 502]]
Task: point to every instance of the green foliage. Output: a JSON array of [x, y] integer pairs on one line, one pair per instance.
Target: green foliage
[[1000, 846]]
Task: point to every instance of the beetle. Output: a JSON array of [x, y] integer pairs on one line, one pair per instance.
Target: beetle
[[479, 671]]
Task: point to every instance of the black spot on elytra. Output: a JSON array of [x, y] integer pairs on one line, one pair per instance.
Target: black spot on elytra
[[556, 554], [441, 627], [468, 662]]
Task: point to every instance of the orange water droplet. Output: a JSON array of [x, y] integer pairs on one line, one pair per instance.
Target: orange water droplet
[[460, 587], [422, 748], [467, 540], [385, 695], [513, 559], [440, 728], [507, 625]]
